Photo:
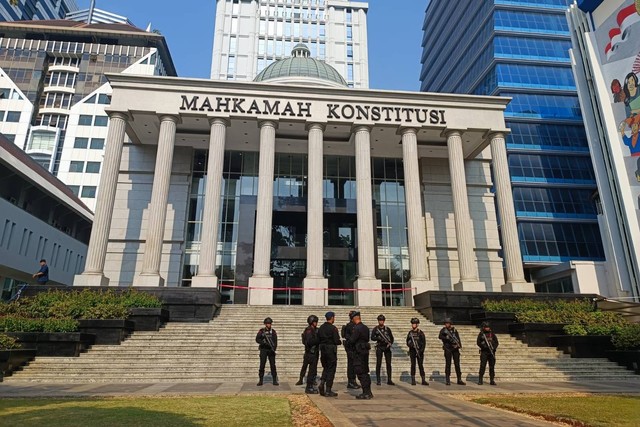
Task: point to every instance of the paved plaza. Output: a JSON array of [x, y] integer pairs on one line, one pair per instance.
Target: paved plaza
[[400, 405]]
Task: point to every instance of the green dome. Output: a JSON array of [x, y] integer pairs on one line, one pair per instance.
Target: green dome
[[301, 65]]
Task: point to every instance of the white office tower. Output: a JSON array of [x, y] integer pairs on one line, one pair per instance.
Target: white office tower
[[251, 34]]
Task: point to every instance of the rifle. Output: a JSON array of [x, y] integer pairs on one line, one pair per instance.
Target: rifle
[[454, 339], [489, 345], [268, 340], [384, 337]]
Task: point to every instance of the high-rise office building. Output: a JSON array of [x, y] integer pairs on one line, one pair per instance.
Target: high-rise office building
[[252, 34], [606, 64], [26, 10], [53, 90], [520, 49]]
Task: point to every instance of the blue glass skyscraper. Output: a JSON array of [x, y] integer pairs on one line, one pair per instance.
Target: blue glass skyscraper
[[520, 49], [26, 10]]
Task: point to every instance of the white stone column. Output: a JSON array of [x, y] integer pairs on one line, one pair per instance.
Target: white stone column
[[515, 281], [418, 256], [464, 234], [206, 277], [315, 212], [367, 284], [264, 214], [93, 274], [150, 275]]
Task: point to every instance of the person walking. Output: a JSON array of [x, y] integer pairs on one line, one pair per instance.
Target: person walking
[[42, 275]]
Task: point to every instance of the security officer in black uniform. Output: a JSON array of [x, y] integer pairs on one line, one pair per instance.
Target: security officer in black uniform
[[311, 353], [268, 340], [359, 340], [383, 337], [451, 345], [346, 332], [417, 342], [329, 340], [488, 343]]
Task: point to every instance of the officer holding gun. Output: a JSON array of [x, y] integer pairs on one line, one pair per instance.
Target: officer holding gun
[[383, 337], [417, 342], [488, 343], [451, 345], [268, 343]]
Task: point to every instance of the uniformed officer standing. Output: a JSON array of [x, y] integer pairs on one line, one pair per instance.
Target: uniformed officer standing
[[383, 337], [268, 340], [488, 343], [346, 332], [311, 353], [329, 340], [451, 345], [305, 359], [359, 340], [417, 342]]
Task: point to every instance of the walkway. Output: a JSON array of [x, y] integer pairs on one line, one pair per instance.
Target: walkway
[[393, 406]]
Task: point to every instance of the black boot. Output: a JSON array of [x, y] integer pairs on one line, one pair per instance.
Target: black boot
[[377, 379], [480, 381], [300, 382], [321, 388], [389, 382], [460, 382], [413, 380], [260, 382], [310, 390], [275, 380], [492, 382], [353, 385], [447, 381], [330, 393], [424, 381], [365, 395]]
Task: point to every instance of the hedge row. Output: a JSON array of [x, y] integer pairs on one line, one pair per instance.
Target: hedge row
[[581, 317], [8, 343]]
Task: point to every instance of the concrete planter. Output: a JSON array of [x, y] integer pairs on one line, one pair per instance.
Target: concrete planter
[[628, 358], [536, 334], [583, 346], [148, 319], [107, 332], [11, 360], [55, 344], [499, 321]]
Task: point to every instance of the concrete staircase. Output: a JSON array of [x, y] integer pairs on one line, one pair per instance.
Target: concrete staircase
[[225, 350]]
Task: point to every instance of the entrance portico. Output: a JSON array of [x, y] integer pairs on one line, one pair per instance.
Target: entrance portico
[[166, 114]]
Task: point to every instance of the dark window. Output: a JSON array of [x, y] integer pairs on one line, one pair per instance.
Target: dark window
[[85, 120], [93, 167], [80, 143], [103, 98], [89, 191], [13, 116], [101, 121], [97, 143], [75, 189], [76, 166]]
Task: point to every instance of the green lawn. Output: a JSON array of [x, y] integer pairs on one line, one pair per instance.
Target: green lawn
[[593, 410], [157, 412]]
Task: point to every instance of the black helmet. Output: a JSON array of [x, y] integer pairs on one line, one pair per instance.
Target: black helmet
[[381, 317], [312, 318], [485, 325], [415, 321], [447, 320], [351, 314], [268, 321]]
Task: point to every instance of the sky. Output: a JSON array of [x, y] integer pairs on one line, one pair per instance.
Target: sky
[[395, 34]]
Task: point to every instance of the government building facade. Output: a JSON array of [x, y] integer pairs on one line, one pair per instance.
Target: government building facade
[[296, 189]]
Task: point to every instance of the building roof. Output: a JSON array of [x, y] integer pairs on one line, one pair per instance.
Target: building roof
[[81, 32], [22, 164], [300, 64]]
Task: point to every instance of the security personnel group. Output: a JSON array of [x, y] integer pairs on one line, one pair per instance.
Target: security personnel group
[[321, 344]]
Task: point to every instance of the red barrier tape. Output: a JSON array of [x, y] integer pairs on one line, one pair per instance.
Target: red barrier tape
[[316, 289]]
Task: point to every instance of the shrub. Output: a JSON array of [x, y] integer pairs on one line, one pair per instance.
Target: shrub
[[627, 337], [135, 299], [24, 324], [575, 330], [8, 343]]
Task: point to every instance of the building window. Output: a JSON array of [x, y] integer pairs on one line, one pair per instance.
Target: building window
[[231, 66], [104, 99], [350, 72], [349, 15], [97, 143], [89, 191], [101, 121], [349, 33], [93, 167], [85, 120], [76, 166], [80, 143], [13, 116], [42, 140], [10, 136], [558, 286], [75, 189], [349, 51]]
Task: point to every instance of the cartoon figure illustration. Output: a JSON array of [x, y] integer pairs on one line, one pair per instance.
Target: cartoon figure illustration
[[630, 139], [632, 94], [638, 172], [616, 89]]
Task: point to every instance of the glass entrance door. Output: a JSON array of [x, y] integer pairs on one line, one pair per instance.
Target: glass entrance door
[[287, 281]]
